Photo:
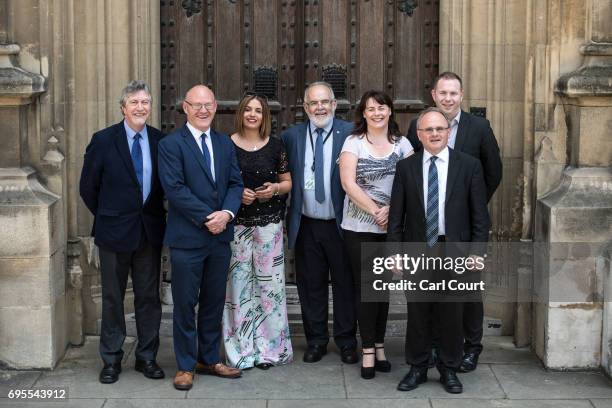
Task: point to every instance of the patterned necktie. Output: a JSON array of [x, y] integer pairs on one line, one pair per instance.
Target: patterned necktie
[[206, 153], [136, 154], [432, 203], [318, 158]]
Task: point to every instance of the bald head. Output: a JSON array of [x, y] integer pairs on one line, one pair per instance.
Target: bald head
[[200, 107]]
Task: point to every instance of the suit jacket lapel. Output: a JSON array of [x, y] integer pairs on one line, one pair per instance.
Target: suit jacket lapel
[[301, 150], [417, 173], [153, 149], [453, 170], [462, 131], [195, 149], [337, 140], [124, 151]]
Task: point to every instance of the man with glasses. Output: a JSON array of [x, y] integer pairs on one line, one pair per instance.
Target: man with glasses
[[438, 196], [199, 171], [472, 135], [120, 186], [313, 224]]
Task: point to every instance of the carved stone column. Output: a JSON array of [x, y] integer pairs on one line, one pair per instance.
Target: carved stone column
[[574, 328], [32, 286]]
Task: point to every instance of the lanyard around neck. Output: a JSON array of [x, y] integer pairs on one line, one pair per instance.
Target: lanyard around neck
[[312, 144]]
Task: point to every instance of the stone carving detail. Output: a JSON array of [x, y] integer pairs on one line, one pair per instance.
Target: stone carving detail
[[407, 6], [53, 153], [192, 7], [335, 75]]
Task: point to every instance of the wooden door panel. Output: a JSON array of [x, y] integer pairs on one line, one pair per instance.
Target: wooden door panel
[[278, 47], [234, 46]]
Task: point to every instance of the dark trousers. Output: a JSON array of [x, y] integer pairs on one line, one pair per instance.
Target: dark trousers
[[371, 316], [473, 318], [144, 263], [419, 333], [318, 251], [437, 322], [199, 277]]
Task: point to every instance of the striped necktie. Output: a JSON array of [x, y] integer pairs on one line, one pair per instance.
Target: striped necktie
[[432, 203]]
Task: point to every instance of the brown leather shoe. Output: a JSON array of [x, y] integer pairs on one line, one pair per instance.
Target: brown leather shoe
[[183, 380], [219, 369]]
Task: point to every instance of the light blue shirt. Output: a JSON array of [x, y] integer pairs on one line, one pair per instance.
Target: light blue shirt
[[147, 167], [310, 206]]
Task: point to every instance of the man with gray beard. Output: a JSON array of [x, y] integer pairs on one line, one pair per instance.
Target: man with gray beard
[[313, 224]]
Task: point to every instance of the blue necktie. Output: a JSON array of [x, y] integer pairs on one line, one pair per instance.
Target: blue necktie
[[137, 159], [206, 153], [319, 165], [432, 203]]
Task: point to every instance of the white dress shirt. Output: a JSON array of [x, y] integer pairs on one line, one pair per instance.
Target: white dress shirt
[[197, 134], [441, 164]]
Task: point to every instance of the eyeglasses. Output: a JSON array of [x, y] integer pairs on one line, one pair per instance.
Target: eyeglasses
[[430, 131], [324, 103], [197, 106]]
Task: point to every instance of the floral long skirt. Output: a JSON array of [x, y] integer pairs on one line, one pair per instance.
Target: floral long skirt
[[255, 325]]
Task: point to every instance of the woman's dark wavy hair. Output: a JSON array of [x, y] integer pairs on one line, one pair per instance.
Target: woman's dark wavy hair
[[361, 126]]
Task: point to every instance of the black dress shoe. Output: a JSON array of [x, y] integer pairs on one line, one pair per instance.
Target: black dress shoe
[[150, 369], [110, 373], [469, 362], [315, 353], [263, 366], [449, 380], [348, 355], [433, 358], [412, 380]]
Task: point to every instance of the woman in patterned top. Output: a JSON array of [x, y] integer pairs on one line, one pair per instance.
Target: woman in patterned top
[[367, 167], [255, 325]]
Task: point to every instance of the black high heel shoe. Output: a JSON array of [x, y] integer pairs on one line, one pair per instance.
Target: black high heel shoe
[[367, 373], [384, 366]]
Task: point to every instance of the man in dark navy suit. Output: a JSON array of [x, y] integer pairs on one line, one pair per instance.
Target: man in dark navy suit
[[313, 224], [120, 186], [199, 172], [472, 135]]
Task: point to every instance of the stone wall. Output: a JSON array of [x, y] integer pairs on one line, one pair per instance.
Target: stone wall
[[86, 50]]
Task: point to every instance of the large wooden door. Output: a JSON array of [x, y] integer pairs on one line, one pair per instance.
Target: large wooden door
[[277, 47]]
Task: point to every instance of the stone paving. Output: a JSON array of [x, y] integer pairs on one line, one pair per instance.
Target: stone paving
[[506, 378]]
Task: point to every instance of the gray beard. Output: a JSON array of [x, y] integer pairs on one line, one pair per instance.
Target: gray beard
[[319, 123]]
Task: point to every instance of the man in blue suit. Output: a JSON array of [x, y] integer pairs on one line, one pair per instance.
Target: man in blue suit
[[120, 186], [313, 224], [199, 172]]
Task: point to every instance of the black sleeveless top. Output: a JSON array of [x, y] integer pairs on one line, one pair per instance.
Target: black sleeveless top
[[256, 168]]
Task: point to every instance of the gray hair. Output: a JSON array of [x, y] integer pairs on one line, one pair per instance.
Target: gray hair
[[430, 110], [319, 83], [133, 87]]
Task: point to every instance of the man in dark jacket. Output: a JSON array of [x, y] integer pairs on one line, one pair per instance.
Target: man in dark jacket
[[120, 186], [472, 135]]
